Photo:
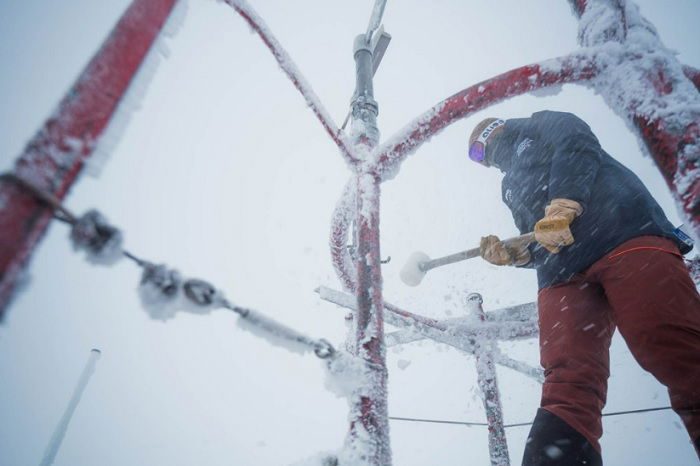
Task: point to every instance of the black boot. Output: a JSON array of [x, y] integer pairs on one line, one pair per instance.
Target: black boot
[[554, 442]]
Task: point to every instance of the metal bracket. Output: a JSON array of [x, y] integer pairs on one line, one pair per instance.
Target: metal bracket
[[380, 42]]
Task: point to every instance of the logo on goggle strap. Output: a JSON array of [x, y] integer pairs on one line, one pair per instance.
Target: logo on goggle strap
[[489, 129]]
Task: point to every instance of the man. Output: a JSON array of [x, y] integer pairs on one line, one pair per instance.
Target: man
[[606, 257]]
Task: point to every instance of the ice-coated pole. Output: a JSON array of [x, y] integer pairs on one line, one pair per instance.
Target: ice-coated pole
[[62, 427], [486, 378], [369, 420]]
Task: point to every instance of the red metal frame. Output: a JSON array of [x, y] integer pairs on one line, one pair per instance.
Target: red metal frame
[[55, 156], [664, 141], [372, 412], [53, 159]]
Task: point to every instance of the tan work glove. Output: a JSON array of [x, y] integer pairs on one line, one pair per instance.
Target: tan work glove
[[493, 250], [552, 231]]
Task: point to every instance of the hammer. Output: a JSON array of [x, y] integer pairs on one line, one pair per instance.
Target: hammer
[[419, 262]]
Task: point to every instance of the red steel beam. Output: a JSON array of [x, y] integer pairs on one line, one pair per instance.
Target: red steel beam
[[289, 68], [568, 69], [371, 410], [54, 157]]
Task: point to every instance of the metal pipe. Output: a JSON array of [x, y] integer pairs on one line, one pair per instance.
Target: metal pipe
[[364, 107], [54, 157], [369, 409], [62, 427], [486, 378]]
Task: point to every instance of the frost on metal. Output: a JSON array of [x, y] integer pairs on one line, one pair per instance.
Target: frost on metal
[[274, 333], [160, 291], [350, 377], [163, 292], [347, 375], [54, 157], [292, 71], [651, 90], [101, 242], [138, 87], [343, 216], [539, 76]]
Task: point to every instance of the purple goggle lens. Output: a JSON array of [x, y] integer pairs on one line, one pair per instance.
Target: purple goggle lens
[[477, 151]]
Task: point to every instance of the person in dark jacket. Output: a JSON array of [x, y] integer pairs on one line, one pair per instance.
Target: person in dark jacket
[[606, 257]]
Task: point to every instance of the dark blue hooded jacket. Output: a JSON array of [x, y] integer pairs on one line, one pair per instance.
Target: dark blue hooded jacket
[[556, 155]]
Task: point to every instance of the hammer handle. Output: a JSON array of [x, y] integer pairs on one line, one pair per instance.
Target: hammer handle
[[517, 241]]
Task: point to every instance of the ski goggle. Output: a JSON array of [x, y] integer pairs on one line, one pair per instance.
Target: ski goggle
[[477, 150]]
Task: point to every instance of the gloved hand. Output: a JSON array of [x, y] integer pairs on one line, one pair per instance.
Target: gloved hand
[[493, 250], [553, 231]]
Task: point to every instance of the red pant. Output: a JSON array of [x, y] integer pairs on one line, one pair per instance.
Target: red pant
[[647, 293]]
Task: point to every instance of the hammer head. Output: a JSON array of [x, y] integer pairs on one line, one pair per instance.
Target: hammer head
[[411, 273]]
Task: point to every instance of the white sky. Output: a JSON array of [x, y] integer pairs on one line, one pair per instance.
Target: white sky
[[225, 174]]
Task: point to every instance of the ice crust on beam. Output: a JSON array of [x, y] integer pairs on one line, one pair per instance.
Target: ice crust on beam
[[292, 71], [343, 216], [643, 81], [350, 377], [133, 97], [553, 72], [346, 374], [457, 332], [273, 332], [639, 53]]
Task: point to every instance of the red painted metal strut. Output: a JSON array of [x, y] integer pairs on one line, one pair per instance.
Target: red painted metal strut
[[568, 69], [55, 156], [487, 380], [287, 65]]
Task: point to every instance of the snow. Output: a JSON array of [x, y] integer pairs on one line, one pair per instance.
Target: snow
[[553, 452], [160, 291], [163, 292], [101, 242], [343, 216], [547, 91], [632, 66], [369, 200], [411, 274], [346, 375]]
